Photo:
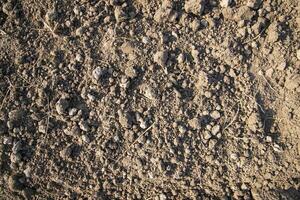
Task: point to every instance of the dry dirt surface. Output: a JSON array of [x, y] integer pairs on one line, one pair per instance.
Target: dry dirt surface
[[150, 99]]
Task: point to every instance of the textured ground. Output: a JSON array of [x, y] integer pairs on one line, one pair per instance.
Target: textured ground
[[149, 99]]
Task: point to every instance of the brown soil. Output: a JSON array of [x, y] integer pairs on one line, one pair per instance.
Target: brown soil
[[149, 99]]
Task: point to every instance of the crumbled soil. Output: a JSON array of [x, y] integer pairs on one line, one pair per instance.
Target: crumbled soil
[[149, 99]]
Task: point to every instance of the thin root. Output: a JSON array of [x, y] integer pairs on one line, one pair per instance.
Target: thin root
[[254, 38], [234, 118], [134, 142]]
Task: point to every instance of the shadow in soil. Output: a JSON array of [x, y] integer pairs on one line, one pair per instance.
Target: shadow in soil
[[289, 194], [266, 115]]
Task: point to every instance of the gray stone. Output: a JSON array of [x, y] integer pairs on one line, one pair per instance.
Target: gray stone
[[62, 105]]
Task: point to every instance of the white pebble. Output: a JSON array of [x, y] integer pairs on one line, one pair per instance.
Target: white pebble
[[225, 3], [206, 135], [215, 114], [97, 73], [84, 126], [215, 129], [27, 172], [181, 58], [85, 138], [298, 54], [79, 57]]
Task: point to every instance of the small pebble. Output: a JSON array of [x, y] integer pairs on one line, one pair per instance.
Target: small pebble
[[7, 140], [195, 123], [80, 31], [234, 156], [145, 40], [212, 143], [225, 3], [125, 119], [17, 147], [61, 105], [143, 124], [161, 57], [79, 57], [72, 111], [91, 97], [195, 25], [162, 197], [268, 139], [97, 73], [181, 58], [215, 114], [149, 92], [207, 94], [27, 172], [66, 152], [42, 128], [195, 7], [182, 129], [85, 138], [83, 125], [215, 129], [131, 72], [206, 135], [298, 54]]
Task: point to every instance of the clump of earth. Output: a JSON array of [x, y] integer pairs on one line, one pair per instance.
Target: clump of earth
[[149, 99]]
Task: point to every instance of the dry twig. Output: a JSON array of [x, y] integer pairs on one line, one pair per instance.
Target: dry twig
[[254, 38], [233, 119], [134, 142], [3, 32]]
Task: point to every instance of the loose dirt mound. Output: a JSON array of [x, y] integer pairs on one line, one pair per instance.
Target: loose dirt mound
[[149, 99]]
